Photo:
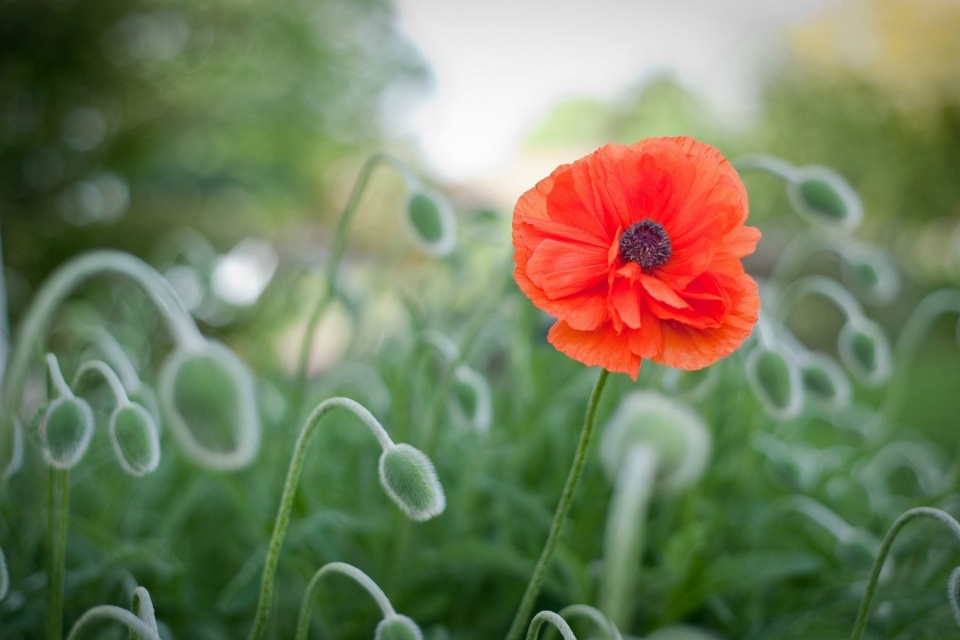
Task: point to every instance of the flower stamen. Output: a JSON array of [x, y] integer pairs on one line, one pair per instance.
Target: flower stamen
[[646, 243]]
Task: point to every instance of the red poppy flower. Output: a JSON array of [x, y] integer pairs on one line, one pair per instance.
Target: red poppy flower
[[636, 251]]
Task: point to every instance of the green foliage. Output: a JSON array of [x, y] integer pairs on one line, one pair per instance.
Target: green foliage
[[154, 114]]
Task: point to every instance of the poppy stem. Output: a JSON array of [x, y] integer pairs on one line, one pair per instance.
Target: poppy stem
[[58, 514], [560, 515], [333, 263], [282, 521], [358, 576], [907, 516]]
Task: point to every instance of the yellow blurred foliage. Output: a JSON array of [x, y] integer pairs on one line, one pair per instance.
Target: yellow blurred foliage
[[910, 48]]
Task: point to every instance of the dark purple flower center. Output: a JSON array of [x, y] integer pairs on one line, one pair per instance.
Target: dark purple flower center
[[645, 243]]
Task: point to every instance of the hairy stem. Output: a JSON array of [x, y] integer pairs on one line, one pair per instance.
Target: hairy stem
[[58, 288], [333, 266], [907, 516], [624, 535], [303, 620], [560, 515], [58, 516], [282, 520]]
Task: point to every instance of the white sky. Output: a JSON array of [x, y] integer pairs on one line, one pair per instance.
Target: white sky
[[499, 65]]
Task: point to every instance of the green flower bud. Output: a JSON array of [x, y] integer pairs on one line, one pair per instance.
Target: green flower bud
[[408, 477], [865, 351], [206, 394], [432, 225], [677, 435], [135, 439], [775, 379], [65, 431], [823, 196], [869, 271], [824, 381], [398, 627]]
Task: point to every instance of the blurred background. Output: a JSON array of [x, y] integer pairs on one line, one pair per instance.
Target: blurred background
[[120, 120], [211, 139], [220, 141]]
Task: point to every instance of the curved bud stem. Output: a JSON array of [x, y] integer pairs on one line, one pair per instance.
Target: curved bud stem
[[56, 377], [108, 375], [282, 520], [560, 515], [333, 263], [115, 356], [767, 163], [118, 614], [917, 326], [917, 512], [142, 606], [823, 286], [358, 576], [543, 618], [953, 593], [59, 286], [624, 534], [608, 629]]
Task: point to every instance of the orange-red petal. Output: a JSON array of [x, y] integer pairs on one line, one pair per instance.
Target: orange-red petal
[[696, 307]]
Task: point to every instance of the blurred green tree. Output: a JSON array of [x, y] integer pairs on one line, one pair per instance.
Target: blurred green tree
[[121, 118]]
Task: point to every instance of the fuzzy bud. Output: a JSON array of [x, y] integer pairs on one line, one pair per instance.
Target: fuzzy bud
[[135, 438], [823, 196], [677, 435], [206, 394], [824, 381], [431, 223], [408, 477], [775, 379], [865, 351], [398, 627], [65, 431]]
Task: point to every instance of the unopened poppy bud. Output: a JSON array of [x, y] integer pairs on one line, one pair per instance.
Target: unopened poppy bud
[[775, 379], [870, 272], [206, 394], [398, 627], [677, 435], [822, 195], [65, 431], [431, 223], [865, 351], [135, 439], [408, 477], [824, 381]]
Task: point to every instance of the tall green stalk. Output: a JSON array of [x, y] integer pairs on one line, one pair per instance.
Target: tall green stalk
[[560, 515], [282, 520], [333, 266], [907, 516], [58, 516]]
